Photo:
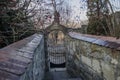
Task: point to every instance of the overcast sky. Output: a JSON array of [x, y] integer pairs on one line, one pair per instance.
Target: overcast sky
[[115, 4], [79, 9]]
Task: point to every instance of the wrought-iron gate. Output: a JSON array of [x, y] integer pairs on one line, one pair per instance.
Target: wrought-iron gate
[[56, 50]]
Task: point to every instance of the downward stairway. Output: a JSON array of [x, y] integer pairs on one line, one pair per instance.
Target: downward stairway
[[59, 74]]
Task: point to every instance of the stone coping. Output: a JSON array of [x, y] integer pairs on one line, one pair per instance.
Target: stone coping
[[15, 58], [105, 41]]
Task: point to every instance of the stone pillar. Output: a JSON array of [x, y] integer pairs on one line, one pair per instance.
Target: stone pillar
[[46, 53]]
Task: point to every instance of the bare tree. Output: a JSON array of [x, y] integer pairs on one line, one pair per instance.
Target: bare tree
[[16, 20], [101, 12]]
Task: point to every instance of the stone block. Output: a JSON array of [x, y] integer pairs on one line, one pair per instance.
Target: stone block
[[96, 65], [114, 61], [118, 78], [108, 71], [86, 60]]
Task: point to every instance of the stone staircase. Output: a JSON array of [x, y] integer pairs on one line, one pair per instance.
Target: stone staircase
[[59, 74]]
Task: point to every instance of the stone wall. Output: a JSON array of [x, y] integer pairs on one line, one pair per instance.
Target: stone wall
[[93, 57], [36, 69], [23, 60]]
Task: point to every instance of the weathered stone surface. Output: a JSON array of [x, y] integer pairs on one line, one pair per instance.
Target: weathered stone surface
[[93, 57], [23, 60], [114, 61], [86, 60], [118, 78], [8, 76], [96, 65], [108, 71], [36, 69], [99, 40]]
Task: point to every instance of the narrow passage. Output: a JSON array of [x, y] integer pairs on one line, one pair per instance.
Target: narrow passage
[[59, 74]]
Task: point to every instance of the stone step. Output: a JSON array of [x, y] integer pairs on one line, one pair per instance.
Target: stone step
[[59, 74]]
